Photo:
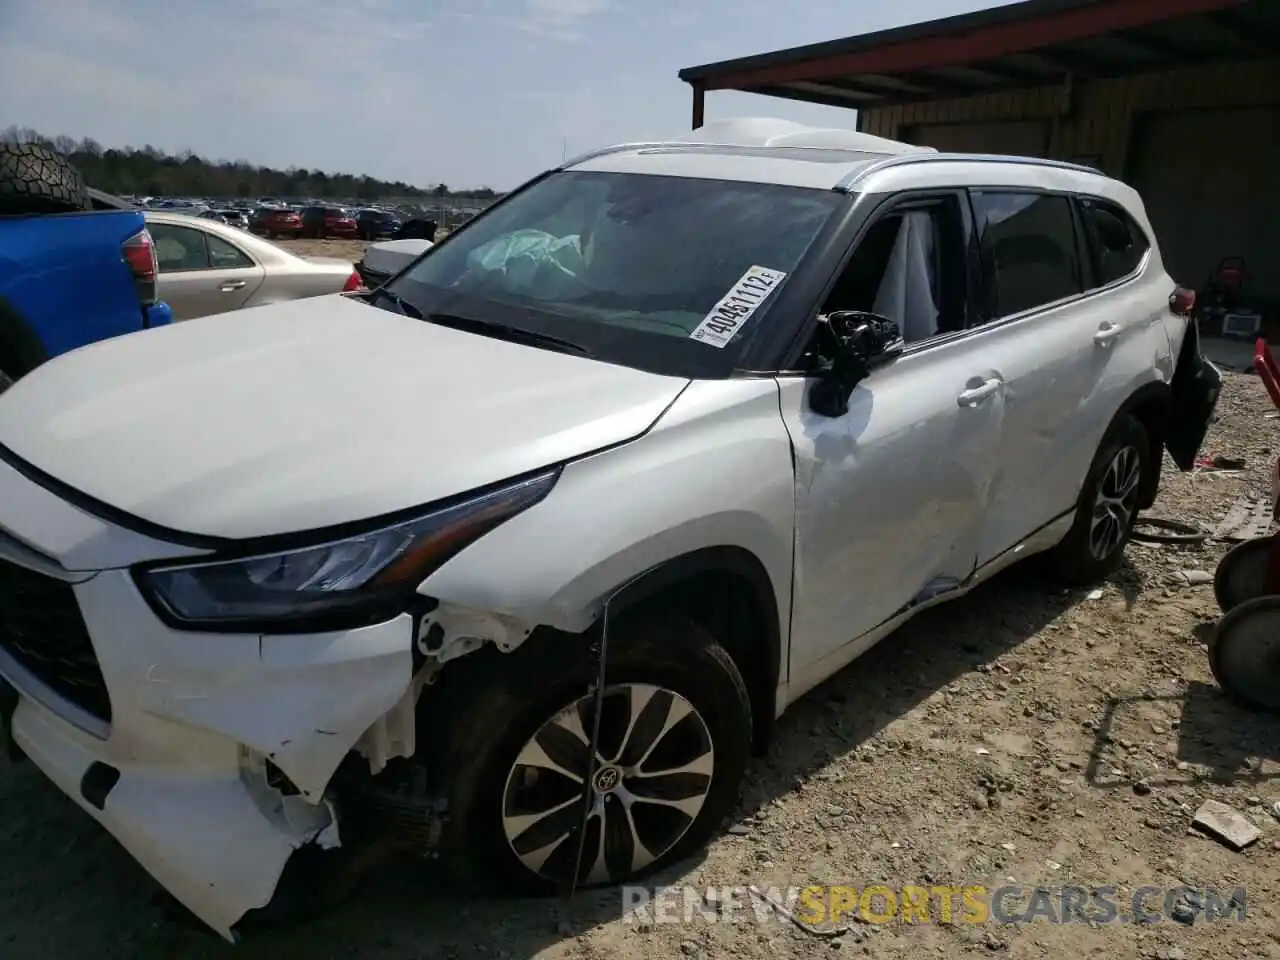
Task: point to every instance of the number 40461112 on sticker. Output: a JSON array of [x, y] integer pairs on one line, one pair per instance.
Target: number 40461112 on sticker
[[736, 307]]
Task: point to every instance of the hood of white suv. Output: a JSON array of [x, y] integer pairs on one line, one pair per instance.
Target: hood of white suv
[[311, 413]]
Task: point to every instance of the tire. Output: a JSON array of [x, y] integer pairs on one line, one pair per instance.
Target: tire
[[1090, 553], [6, 381], [521, 694], [35, 179], [1242, 572], [1244, 653]]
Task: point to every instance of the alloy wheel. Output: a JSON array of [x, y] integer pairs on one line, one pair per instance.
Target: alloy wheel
[[652, 773], [1115, 502]]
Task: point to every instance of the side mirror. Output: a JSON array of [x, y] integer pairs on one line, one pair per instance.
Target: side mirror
[[861, 343]]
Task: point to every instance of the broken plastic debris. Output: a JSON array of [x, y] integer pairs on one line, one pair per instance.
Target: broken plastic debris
[[1224, 824]]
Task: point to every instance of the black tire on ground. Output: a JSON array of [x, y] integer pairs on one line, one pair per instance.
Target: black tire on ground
[[1242, 573], [496, 707], [1244, 653], [36, 179], [1077, 560]]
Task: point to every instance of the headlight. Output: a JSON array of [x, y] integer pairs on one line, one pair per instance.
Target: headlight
[[367, 577]]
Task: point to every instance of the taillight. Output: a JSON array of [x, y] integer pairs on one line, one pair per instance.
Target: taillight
[[1182, 301], [140, 254], [353, 284]]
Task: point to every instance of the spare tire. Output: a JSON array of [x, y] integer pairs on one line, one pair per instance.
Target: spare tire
[[37, 179]]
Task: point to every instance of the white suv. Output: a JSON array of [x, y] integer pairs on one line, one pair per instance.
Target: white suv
[[712, 416]]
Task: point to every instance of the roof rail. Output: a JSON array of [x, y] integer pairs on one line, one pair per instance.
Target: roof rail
[[622, 148], [710, 146], [849, 182]]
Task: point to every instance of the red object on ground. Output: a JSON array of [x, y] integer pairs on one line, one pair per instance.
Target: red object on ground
[[1264, 364]]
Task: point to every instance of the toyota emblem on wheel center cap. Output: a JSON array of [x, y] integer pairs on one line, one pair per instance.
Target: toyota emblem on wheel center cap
[[607, 779]]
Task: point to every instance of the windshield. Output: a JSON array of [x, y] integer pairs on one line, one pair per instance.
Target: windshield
[[661, 273]]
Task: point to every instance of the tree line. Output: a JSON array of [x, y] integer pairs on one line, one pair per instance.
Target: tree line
[[149, 171]]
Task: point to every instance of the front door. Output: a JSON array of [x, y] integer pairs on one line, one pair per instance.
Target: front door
[[890, 496]]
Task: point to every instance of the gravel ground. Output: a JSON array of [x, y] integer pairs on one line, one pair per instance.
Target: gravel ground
[[351, 250], [1022, 732]]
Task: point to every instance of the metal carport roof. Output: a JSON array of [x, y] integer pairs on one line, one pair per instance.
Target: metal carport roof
[[1021, 45]]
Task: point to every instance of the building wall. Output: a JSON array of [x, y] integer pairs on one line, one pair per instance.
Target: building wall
[[1095, 121]]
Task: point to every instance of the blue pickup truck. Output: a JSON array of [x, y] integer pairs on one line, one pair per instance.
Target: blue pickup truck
[[74, 267]]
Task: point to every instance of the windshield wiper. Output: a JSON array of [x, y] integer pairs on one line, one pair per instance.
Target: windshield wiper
[[502, 331], [400, 303]]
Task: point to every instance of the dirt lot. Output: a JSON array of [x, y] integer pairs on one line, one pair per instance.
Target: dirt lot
[[999, 737], [351, 250]]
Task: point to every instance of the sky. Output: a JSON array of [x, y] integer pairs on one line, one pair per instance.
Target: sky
[[468, 93]]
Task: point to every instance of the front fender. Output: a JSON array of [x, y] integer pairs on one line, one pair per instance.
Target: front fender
[[716, 471]]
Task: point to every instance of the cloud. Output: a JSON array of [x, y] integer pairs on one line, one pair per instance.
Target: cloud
[[46, 70], [563, 20]]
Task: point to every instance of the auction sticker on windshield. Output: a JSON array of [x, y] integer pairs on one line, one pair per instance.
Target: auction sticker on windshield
[[736, 307]]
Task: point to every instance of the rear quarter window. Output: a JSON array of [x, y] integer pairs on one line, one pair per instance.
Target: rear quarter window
[[1118, 243]]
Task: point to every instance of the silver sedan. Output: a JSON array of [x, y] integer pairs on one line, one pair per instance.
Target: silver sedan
[[208, 267]]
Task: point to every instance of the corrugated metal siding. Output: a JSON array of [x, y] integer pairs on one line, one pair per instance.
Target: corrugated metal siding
[[1102, 112]]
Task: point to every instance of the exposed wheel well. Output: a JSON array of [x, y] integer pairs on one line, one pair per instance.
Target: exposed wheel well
[[727, 591]]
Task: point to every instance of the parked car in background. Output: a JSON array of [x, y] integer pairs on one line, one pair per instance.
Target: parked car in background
[[273, 222], [417, 228], [68, 277], [232, 218], [373, 224], [384, 260], [323, 221], [208, 267]]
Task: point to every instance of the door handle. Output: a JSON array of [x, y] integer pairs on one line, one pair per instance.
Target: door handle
[[1107, 331], [228, 285], [975, 395]]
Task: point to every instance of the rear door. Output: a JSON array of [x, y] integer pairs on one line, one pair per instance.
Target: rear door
[[1039, 337], [1076, 331], [201, 273]]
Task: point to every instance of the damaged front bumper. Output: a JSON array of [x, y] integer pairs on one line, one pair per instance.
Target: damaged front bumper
[[208, 756]]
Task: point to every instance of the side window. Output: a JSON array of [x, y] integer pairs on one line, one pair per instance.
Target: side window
[[225, 256], [909, 266], [1118, 243], [1029, 250], [179, 248]]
